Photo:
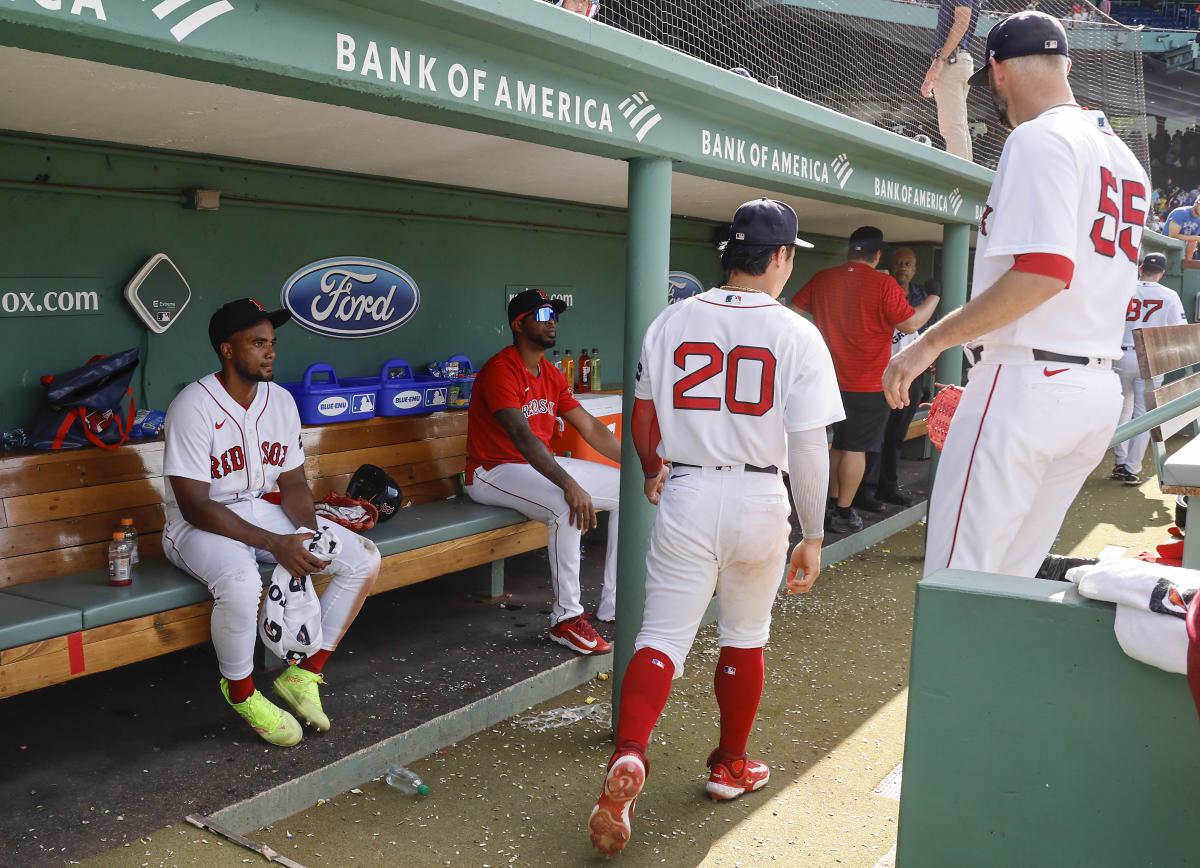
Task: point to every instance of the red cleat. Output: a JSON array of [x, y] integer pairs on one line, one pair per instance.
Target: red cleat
[[580, 636], [610, 823], [730, 778]]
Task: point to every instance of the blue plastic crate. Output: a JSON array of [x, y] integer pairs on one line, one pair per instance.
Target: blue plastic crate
[[321, 397], [449, 392], [399, 392]]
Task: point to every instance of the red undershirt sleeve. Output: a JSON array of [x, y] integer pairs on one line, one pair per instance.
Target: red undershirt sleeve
[[1047, 265], [643, 425]]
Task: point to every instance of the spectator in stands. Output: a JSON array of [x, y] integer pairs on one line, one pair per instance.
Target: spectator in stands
[[951, 66], [1184, 223], [1105, 7], [884, 469], [517, 396], [857, 309], [586, 8]]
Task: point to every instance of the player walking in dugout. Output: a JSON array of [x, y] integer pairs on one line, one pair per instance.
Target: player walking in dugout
[[514, 403], [739, 386], [1056, 255], [1153, 305], [231, 438]]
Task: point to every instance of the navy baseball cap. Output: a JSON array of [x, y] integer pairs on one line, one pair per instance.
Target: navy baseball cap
[[766, 222], [531, 299], [234, 316], [1025, 33], [1154, 262], [866, 239]]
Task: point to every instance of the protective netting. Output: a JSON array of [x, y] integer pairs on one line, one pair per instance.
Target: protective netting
[[867, 58]]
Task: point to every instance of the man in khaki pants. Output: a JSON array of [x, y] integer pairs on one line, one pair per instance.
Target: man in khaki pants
[[949, 70]]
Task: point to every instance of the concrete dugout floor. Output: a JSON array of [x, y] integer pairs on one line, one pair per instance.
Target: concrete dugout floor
[[831, 726]]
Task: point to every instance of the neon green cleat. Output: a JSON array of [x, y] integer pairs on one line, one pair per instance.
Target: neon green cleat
[[270, 721], [298, 688]]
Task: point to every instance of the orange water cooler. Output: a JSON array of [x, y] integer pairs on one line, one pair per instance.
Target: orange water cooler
[[606, 408]]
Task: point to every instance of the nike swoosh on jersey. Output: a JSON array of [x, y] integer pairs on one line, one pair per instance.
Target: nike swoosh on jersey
[[1049, 373], [219, 424], [586, 643]]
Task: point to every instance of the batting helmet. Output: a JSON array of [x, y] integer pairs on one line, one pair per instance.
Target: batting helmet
[[377, 488]]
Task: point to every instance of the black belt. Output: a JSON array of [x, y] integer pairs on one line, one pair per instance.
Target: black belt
[[1040, 356], [751, 467]]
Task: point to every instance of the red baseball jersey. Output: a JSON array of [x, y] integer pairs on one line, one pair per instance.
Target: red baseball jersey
[[505, 382], [856, 309]]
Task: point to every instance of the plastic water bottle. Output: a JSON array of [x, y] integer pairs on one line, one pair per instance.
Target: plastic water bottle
[[596, 383], [131, 537], [406, 781], [120, 560]]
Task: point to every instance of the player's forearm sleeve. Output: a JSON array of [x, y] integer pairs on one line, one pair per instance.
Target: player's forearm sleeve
[[643, 425], [808, 473]]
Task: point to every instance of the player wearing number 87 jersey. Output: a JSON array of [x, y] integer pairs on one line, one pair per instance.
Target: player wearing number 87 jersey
[[735, 386], [1056, 256], [1153, 305]]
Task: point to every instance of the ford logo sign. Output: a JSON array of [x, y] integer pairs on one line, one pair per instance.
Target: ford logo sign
[[681, 285], [350, 297], [333, 406]]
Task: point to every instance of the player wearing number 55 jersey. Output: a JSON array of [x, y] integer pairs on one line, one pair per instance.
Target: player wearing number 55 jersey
[[231, 439], [1152, 305], [736, 386], [1056, 256]]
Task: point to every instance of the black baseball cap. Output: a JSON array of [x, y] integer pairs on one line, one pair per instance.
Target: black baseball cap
[[866, 239], [1028, 32], [765, 222], [1154, 262], [531, 299], [234, 316]]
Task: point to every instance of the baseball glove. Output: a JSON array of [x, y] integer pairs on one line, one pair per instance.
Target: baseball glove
[[941, 411], [351, 512]]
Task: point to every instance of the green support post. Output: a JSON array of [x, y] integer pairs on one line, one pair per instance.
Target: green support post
[[648, 256], [956, 250]]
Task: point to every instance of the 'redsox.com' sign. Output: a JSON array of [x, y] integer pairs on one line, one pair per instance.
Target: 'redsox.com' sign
[[350, 297]]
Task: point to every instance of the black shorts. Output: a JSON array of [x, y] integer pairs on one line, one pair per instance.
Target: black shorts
[[866, 418]]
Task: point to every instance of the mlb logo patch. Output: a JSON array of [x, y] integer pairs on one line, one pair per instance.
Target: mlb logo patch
[[1051, 44], [729, 670], [733, 299], [658, 663]]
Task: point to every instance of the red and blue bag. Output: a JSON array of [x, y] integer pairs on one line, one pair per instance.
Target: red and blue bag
[[83, 406]]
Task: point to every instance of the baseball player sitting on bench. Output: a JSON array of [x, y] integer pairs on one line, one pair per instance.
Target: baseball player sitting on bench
[[514, 403], [231, 437]]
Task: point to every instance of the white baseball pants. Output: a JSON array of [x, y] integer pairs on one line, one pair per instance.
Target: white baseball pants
[[520, 487], [230, 570], [1133, 392], [715, 530], [1021, 444]]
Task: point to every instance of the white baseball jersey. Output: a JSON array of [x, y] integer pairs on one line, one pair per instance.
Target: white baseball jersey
[[1066, 164], [730, 373], [240, 451], [1152, 305]]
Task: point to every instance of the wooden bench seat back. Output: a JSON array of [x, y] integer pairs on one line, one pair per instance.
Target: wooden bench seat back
[[58, 509], [1162, 351]]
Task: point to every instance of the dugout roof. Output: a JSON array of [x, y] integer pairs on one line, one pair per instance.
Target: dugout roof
[[505, 95]]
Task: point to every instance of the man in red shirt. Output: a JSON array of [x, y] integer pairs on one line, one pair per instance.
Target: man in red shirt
[[515, 401], [857, 309]]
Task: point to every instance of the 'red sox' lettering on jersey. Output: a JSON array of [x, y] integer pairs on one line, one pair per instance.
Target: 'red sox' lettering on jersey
[[240, 451]]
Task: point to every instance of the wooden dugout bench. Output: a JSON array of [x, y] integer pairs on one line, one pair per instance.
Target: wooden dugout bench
[[1173, 350], [59, 617]]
